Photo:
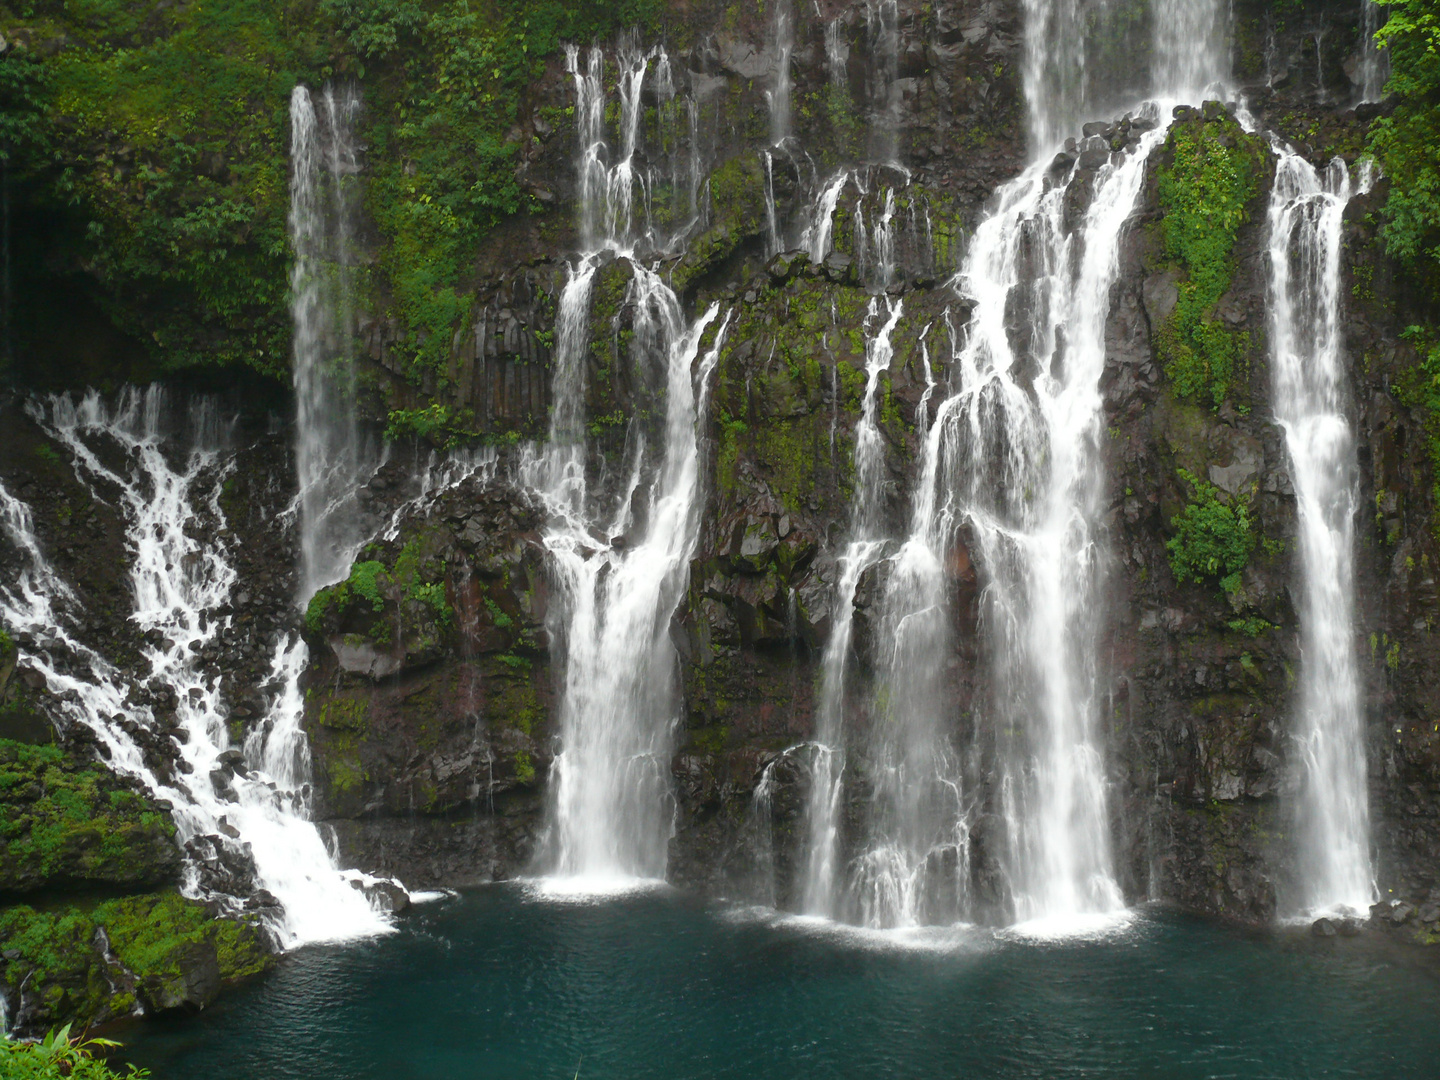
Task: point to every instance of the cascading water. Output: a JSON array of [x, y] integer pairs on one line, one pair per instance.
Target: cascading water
[[179, 585], [1374, 61], [1010, 477], [619, 560], [330, 460], [823, 809], [818, 234], [1311, 405], [779, 95], [612, 816], [882, 22]]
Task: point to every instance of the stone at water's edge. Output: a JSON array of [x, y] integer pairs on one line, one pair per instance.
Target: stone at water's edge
[[69, 828]]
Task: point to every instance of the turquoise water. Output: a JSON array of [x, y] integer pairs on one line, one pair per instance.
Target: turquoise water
[[497, 983]]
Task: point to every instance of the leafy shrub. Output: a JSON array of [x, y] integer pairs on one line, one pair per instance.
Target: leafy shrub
[[1212, 539], [1407, 142], [59, 1056], [1205, 192]]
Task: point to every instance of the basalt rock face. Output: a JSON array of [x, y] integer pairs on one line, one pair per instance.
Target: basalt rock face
[[430, 698], [955, 119]]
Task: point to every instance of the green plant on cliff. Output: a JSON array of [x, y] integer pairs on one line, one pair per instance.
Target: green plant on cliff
[[160, 131], [1407, 142], [1213, 538], [1418, 387], [440, 425], [1205, 191], [59, 1056]]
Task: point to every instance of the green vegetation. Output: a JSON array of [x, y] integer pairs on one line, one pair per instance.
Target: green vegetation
[[59, 1056], [417, 575], [1205, 191], [63, 821], [444, 82], [1407, 142], [155, 941], [1213, 538], [159, 132], [440, 425], [1419, 387], [363, 583]]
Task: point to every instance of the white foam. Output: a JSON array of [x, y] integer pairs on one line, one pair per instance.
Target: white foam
[[1071, 927], [591, 888]]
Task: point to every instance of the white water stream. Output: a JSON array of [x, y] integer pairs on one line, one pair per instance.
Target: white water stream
[[1011, 480], [1374, 62], [620, 559], [1313, 406], [179, 584], [331, 458], [820, 895]]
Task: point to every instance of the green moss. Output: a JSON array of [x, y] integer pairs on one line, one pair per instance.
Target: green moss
[[157, 939], [1213, 539], [64, 822], [345, 714], [152, 936], [524, 767], [1418, 387], [1205, 191]]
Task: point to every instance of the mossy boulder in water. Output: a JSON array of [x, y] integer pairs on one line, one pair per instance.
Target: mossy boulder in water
[[152, 953]]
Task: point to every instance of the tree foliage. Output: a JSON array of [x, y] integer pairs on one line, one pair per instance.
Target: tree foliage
[[1407, 143]]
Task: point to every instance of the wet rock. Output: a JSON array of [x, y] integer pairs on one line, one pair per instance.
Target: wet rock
[[384, 895], [360, 657], [1323, 928]]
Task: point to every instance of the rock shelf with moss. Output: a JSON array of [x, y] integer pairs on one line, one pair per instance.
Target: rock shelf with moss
[[66, 824], [151, 953]]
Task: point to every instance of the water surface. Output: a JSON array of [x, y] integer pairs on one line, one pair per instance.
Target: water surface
[[497, 983]]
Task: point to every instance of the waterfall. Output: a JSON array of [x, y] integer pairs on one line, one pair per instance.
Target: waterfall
[[820, 895], [329, 458], [778, 96], [884, 243], [817, 237], [1312, 401], [837, 53], [1190, 49], [882, 21], [613, 809], [1054, 70], [619, 560], [1374, 62], [773, 240], [1010, 481], [607, 174], [180, 586]]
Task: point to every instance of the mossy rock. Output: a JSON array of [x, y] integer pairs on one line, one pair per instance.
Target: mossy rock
[[65, 824], [152, 953]]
